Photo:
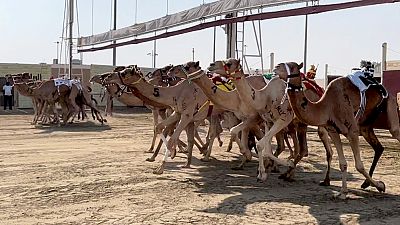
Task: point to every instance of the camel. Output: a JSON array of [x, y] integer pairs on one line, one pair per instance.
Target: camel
[[47, 94], [187, 100], [275, 110], [115, 91], [336, 111]]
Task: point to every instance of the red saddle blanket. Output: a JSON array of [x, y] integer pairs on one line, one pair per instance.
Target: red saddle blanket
[[311, 84]]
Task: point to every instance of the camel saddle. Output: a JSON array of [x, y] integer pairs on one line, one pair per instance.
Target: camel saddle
[[222, 83], [363, 81], [312, 85]]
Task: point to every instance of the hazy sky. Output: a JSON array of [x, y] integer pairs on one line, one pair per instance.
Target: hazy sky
[[29, 30]]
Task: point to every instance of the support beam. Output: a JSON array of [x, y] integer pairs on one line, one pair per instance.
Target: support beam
[[71, 22], [114, 28]]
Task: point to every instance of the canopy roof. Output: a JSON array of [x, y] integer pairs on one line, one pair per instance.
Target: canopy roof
[[211, 9], [196, 14]]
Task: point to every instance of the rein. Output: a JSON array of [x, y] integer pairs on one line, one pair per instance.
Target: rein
[[289, 86]]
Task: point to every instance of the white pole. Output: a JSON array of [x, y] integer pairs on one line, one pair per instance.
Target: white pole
[[271, 62], [326, 75], [71, 21], [305, 43], [384, 54]]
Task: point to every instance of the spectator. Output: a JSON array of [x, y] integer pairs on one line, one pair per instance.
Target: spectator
[[7, 91]]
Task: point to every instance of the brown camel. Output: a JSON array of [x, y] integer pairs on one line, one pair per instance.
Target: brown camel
[[270, 104], [126, 97], [336, 110], [187, 100]]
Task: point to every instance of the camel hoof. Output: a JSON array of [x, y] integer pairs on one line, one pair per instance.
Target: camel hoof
[[220, 144], [150, 160], [237, 167], [104, 120], [159, 170], [381, 187], [261, 178], [325, 183], [341, 196], [275, 169], [186, 167], [149, 151], [173, 153], [205, 159], [182, 151], [365, 184]]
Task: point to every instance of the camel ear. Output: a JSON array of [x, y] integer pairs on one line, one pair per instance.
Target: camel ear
[[300, 66], [197, 64]]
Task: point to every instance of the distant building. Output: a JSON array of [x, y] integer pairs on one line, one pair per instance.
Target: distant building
[[44, 71]]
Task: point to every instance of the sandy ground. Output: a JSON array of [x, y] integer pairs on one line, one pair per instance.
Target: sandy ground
[[87, 173]]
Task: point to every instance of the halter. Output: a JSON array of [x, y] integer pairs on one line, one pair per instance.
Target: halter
[[191, 76], [289, 86], [184, 70], [230, 75]]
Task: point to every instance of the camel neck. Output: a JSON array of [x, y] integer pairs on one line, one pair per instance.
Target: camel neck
[[158, 94], [308, 112], [246, 93], [226, 100]]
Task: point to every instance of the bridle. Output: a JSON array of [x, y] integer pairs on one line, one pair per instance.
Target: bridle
[[289, 86], [231, 74]]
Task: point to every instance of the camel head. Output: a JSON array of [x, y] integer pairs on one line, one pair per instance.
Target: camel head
[[287, 70], [183, 70], [227, 68], [159, 73], [20, 78], [129, 75]]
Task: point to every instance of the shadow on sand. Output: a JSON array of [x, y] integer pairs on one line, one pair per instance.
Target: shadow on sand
[[217, 177], [84, 126]]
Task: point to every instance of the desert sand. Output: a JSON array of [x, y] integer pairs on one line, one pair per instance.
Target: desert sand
[[88, 173]]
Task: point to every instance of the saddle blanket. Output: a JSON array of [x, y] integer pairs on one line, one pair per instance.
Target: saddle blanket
[[362, 82], [60, 81]]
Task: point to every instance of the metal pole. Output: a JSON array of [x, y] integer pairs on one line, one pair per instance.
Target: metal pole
[[115, 27], [384, 54], [155, 51], [136, 11], [326, 75], [271, 63], [71, 21], [193, 54], [305, 43], [214, 45], [167, 7]]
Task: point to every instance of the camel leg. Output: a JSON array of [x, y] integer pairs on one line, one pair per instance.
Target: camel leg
[[160, 169], [183, 123], [214, 130], [173, 118], [354, 143], [243, 144], [324, 136], [155, 122], [342, 162], [300, 150], [167, 131], [370, 137], [265, 148], [190, 137], [231, 140], [220, 142]]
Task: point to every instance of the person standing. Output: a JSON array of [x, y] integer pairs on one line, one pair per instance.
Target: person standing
[[7, 91]]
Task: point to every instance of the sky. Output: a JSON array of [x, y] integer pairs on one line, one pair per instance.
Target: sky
[[341, 39]]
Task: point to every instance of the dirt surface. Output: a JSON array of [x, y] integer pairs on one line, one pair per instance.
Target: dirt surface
[[87, 173]]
